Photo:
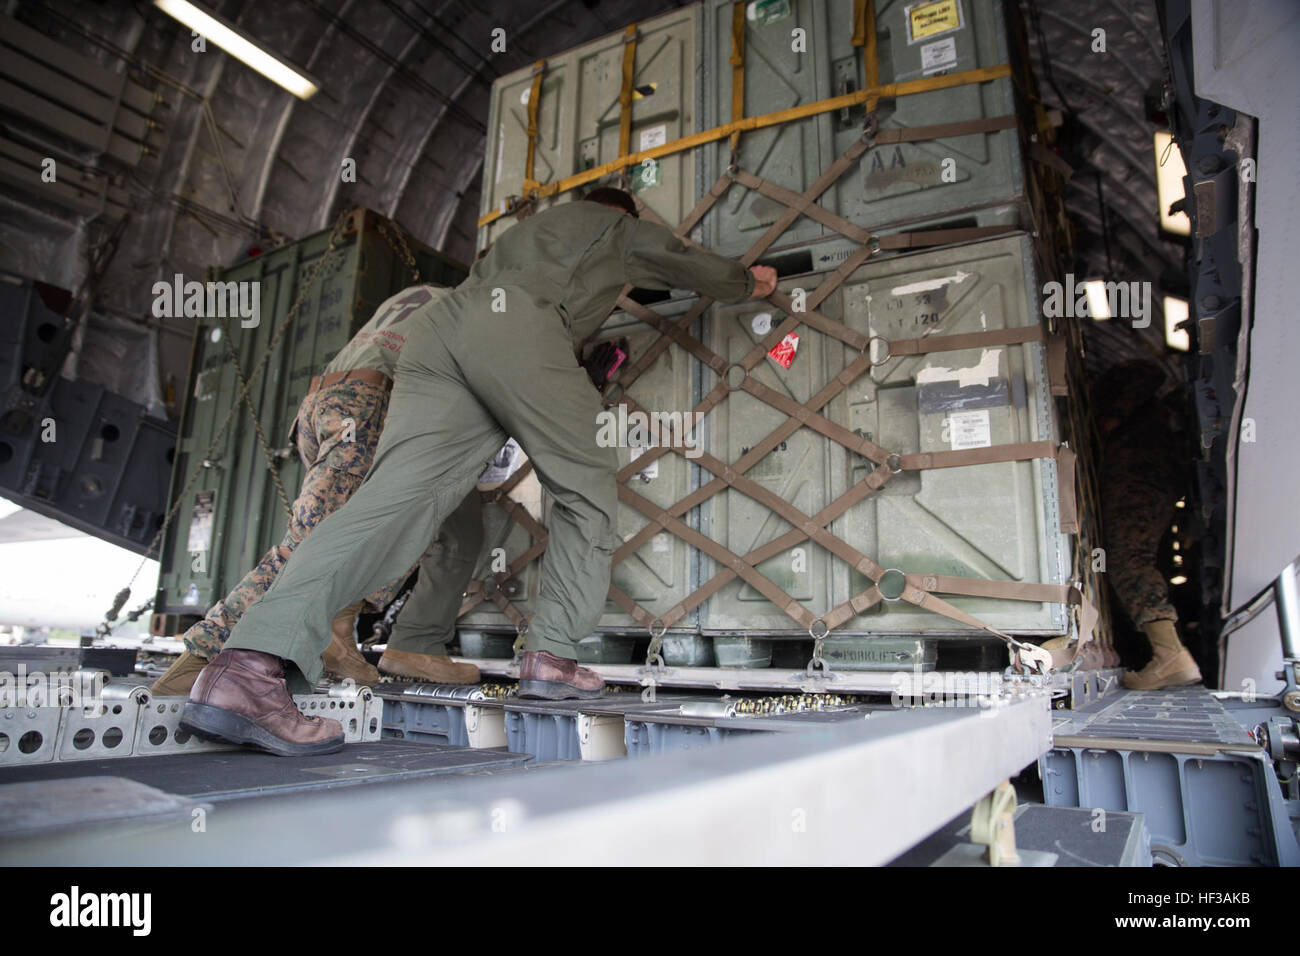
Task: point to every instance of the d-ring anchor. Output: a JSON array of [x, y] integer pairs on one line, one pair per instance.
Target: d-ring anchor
[[880, 585], [870, 127], [868, 349], [818, 668]]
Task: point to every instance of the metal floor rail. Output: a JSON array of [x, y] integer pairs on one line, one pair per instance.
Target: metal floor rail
[[127, 721]]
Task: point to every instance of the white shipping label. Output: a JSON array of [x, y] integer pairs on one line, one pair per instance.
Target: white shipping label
[[200, 537], [941, 55], [652, 137], [970, 429], [651, 471]]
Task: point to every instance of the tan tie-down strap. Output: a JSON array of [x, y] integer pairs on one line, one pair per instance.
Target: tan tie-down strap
[[921, 590]]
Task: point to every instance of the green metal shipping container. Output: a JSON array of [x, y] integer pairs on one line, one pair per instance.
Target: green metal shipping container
[[892, 184], [796, 52], [579, 113], [231, 513], [998, 521]]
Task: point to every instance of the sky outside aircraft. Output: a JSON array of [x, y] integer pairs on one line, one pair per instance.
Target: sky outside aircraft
[[53, 576]]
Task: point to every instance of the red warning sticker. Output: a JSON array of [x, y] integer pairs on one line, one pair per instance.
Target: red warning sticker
[[783, 351]]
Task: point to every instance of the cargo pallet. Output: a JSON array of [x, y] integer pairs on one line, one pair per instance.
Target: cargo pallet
[[708, 569]]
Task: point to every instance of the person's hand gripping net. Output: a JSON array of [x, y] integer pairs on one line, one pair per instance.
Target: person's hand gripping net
[[764, 281]]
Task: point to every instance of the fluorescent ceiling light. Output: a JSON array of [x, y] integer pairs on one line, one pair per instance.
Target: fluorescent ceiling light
[[240, 46], [1098, 302], [1175, 312], [1169, 184]]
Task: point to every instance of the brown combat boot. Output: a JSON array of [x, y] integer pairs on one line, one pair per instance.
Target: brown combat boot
[[544, 676], [342, 658], [438, 668], [180, 677], [241, 697], [1172, 665]]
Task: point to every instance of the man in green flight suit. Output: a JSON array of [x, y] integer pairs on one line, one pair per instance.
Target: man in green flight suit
[[494, 357]]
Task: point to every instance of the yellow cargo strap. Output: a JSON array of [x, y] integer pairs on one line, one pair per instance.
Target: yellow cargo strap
[[737, 69], [864, 35], [858, 97], [625, 92], [534, 101], [860, 21]]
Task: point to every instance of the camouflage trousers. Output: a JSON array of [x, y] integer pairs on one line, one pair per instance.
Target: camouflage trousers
[[1136, 515], [337, 430]]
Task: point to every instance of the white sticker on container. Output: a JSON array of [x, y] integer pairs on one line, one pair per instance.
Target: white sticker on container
[[200, 538], [652, 137], [970, 429], [762, 323], [651, 471], [526, 95], [941, 55]]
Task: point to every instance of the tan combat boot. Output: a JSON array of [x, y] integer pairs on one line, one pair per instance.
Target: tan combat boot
[[342, 658], [437, 668], [1172, 665], [180, 677]]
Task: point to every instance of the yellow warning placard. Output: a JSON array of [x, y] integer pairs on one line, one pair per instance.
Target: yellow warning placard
[[925, 20]]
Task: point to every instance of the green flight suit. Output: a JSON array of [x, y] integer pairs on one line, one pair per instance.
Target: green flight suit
[[427, 623], [494, 357]]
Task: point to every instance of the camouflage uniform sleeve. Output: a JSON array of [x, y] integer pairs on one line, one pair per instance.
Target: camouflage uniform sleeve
[[654, 258]]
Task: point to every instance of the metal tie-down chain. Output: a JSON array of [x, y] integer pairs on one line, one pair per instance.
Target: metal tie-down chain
[[397, 240]]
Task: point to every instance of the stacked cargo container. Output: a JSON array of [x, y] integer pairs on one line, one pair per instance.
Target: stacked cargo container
[[999, 521], [227, 511]]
